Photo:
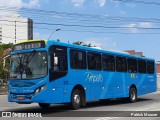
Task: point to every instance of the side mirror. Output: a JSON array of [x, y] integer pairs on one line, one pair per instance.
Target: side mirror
[[5, 63]]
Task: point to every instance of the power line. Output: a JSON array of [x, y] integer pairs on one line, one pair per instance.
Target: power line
[[140, 1], [88, 26], [97, 31], [44, 13], [85, 18], [147, 33], [105, 19]]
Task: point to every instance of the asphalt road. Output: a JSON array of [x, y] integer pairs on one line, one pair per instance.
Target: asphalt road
[[111, 109]]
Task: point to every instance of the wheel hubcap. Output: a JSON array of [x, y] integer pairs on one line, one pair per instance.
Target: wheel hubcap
[[133, 96], [76, 99]]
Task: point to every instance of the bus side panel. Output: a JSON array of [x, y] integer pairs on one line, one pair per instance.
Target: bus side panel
[[137, 80], [114, 85], [50, 95], [102, 84], [95, 92], [99, 84], [90, 81], [73, 78], [144, 83], [68, 92], [151, 83]]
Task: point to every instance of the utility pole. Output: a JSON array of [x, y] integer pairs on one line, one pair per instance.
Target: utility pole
[[15, 32]]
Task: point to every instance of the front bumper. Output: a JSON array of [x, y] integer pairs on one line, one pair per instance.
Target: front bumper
[[47, 96]]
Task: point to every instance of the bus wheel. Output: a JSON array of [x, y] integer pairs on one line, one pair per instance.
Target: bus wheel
[[132, 95], [76, 99], [44, 105]]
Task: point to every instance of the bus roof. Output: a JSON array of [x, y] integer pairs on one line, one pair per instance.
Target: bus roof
[[97, 49], [94, 49]]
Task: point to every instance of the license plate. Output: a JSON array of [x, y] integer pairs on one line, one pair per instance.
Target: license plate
[[20, 98]]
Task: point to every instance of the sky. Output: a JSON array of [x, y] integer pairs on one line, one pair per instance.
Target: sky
[[109, 24]]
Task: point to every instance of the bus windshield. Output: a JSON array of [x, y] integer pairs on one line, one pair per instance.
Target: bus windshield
[[28, 65]]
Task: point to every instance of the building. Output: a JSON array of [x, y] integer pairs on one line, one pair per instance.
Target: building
[[0, 35], [158, 73], [133, 52], [15, 28]]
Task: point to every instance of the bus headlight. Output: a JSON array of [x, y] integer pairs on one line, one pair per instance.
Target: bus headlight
[[37, 91], [40, 89]]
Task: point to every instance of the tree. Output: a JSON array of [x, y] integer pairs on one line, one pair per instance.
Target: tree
[[83, 44], [58, 40], [4, 51]]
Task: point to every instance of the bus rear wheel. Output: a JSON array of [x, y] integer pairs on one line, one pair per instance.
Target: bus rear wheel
[[76, 99], [44, 105], [132, 95]]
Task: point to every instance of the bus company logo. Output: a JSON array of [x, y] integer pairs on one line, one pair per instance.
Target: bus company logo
[[133, 75], [93, 78]]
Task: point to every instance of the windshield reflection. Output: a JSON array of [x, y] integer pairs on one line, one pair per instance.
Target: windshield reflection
[[28, 65]]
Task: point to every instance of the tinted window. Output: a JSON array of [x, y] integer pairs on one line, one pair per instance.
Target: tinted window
[[108, 62], [150, 67], [94, 61], [58, 62], [132, 65], [78, 59], [121, 64], [141, 66]]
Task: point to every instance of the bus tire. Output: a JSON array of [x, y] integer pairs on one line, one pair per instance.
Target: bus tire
[[76, 99], [83, 99], [44, 105], [132, 95]]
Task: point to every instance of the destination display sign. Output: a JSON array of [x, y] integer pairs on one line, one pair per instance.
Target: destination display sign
[[28, 45]]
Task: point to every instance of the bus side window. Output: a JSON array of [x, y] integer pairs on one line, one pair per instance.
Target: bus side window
[[82, 59], [142, 66], [58, 62], [108, 63], [121, 65], [94, 61], [132, 65], [150, 67], [77, 59]]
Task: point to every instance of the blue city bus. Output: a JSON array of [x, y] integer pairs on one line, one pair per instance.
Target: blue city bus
[[50, 72]]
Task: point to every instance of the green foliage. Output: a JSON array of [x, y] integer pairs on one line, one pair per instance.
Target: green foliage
[[1, 51], [58, 40], [6, 46], [4, 51], [83, 44]]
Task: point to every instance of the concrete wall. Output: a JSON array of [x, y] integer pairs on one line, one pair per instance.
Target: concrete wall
[[158, 81]]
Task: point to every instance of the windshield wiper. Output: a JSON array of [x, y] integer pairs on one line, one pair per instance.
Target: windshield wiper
[[29, 57]]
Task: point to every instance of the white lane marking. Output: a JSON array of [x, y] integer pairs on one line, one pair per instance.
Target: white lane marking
[[107, 118]]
